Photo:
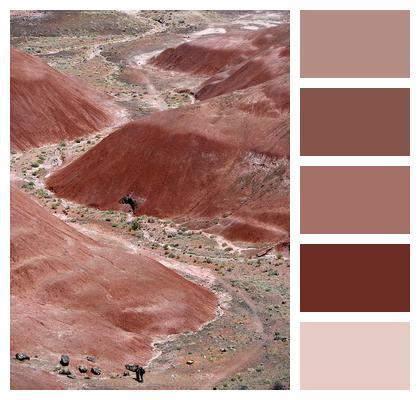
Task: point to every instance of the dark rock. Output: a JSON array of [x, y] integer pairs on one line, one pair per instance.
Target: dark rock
[[277, 336], [22, 356], [278, 386], [83, 369], [126, 373], [91, 358], [64, 371], [71, 376], [96, 371], [131, 367], [243, 387], [65, 360]]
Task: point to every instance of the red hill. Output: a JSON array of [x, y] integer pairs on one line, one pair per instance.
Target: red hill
[[208, 55], [72, 295], [220, 165], [267, 65], [48, 106]]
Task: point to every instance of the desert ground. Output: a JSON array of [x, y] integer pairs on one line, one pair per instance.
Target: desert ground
[[150, 199]]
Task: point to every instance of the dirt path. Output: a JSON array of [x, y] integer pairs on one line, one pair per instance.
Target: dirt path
[[156, 101]]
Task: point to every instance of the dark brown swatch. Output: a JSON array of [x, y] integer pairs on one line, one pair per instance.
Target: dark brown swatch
[[355, 278], [355, 200], [355, 122], [355, 43]]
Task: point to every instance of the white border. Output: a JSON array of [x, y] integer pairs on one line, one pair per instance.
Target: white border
[[296, 82]]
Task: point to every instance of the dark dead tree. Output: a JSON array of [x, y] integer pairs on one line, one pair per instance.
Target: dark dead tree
[[130, 200]]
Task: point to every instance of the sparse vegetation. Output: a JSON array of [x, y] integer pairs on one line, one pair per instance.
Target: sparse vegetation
[[28, 185], [42, 193]]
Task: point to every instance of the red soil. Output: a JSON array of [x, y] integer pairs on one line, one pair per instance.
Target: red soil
[[23, 377], [48, 106], [72, 295], [221, 162], [267, 65], [208, 55]]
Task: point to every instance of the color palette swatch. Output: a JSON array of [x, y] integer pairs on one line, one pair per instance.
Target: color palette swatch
[[355, 199], [353, 43], [355, 122], [355, 278], [360, 203], [355, 355]]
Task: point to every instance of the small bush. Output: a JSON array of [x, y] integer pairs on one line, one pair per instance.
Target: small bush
[[42, 193], [135, 225], [28, 185]]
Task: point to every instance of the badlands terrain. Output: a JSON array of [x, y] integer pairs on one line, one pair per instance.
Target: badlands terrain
[[150, 199]]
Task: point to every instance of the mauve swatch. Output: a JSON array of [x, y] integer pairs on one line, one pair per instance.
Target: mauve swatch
[[355, 122], [355, 43], [355, 200]]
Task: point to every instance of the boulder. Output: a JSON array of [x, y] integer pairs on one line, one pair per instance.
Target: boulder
[[64, 371], [131, 367], [96, 371], [22, 356], [65, 360], [83, 369]]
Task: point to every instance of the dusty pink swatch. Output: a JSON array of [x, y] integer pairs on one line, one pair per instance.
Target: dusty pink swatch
[[355, 355]]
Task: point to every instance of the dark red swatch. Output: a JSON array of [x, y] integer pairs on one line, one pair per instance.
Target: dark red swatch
[[355, 277]]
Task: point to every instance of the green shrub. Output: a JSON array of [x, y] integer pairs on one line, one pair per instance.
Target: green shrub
[[135, 225], [28, 185], [42, 193]]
